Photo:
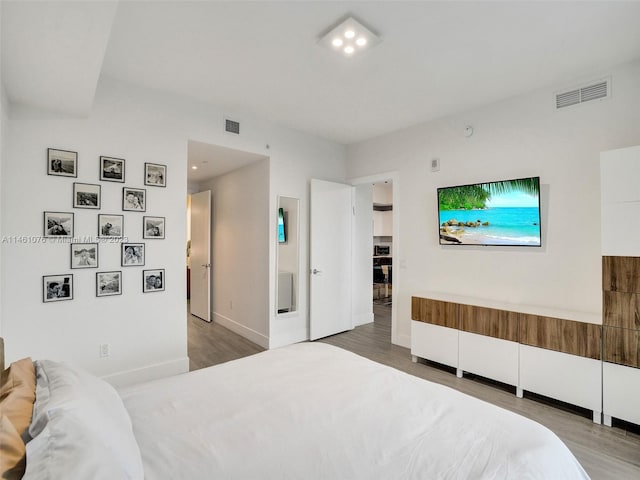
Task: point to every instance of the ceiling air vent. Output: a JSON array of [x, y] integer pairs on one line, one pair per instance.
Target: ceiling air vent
[[231, 126], [594, 91]]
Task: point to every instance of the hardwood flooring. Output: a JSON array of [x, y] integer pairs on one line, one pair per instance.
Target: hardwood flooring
[[210, 344], [605, 452]]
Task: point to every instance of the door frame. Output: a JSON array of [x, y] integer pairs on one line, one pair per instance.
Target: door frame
[[393, 177]]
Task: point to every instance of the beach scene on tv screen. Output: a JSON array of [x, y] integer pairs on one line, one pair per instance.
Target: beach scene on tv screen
[[496, 213]]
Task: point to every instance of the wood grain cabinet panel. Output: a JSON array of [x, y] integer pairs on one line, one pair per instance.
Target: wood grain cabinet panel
[[622, 310], [621, 274], [622, 346], [567, 336], [436, 312], [491, 322]]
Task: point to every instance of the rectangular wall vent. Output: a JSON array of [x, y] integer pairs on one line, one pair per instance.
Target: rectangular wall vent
[[231, 126], [575, 96]]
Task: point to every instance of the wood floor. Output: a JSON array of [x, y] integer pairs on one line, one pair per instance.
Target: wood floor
[[605, 452]]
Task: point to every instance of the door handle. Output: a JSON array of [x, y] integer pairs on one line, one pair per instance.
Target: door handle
[[315, 271], [206, 265]]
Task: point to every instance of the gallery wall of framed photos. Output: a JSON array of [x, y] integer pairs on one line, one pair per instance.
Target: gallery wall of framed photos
[[119, 232]]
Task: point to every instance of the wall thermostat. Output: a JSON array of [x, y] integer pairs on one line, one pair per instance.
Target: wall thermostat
[[468, 131]]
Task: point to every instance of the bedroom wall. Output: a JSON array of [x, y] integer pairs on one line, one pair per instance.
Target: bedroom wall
[[147, 332], [240, 244], [522, 136], [293, 165]]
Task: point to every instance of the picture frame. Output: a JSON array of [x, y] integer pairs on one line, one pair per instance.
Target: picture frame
[[110, 226], [132, 254], [153, 227], [155, 175], [108, 283], [112, 169], [86, 195], [56, 288], [153, 280], [62, 163], [58, 224], [134, 199], [84, 255]]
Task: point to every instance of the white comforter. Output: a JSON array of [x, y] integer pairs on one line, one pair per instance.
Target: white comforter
[[312, 411]]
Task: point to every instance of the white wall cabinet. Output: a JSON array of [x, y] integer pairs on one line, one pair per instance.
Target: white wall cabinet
[[620, 209]]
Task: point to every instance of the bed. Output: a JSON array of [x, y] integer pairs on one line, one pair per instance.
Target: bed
[[304, 411]]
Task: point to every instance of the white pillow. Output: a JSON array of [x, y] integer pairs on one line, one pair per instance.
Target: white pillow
[[82, 429], [39, 417]]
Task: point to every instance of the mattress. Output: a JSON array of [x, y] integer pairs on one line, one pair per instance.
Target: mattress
[[316, 411]]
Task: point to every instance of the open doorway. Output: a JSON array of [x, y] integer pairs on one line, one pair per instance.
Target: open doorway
[[233, 259], [377, 252], [382, 262], [383, 244]]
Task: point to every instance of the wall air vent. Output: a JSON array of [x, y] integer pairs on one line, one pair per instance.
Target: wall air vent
[[231, 126], [594, 91]]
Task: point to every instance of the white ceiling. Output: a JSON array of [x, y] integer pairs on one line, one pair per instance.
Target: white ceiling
[[263, 58], [214, 160]]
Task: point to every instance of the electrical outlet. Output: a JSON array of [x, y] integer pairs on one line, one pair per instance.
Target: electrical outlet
[[105, 350], [435, 164]]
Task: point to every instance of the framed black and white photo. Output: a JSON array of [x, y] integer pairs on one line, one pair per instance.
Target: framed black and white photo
[[58, 224], [112, 169], [132, 254], [63, 163], [108, 283], [84, 255], [134, 199], [56, 288], [153, 280], [155, 175], [153, 227], [110, 226], [86, 195]]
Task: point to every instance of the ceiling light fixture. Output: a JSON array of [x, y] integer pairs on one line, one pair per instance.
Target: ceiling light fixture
[[194, 167], [349, 37]]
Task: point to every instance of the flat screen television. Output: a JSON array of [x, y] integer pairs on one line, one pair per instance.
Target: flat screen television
[[282, 227], [505, 212]]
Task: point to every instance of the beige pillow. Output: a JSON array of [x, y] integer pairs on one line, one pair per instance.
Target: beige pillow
[[13, 454], [17, 393]]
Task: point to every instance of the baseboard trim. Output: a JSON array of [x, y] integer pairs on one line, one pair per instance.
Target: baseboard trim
[[362, 319], [277, 341], [246, 332], [149, 372]]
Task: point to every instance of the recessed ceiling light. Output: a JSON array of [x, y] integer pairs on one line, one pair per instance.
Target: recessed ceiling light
[[346, 36], [193, 167]]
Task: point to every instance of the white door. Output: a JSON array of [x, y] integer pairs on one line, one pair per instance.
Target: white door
[[330, 258], [201, 255]]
